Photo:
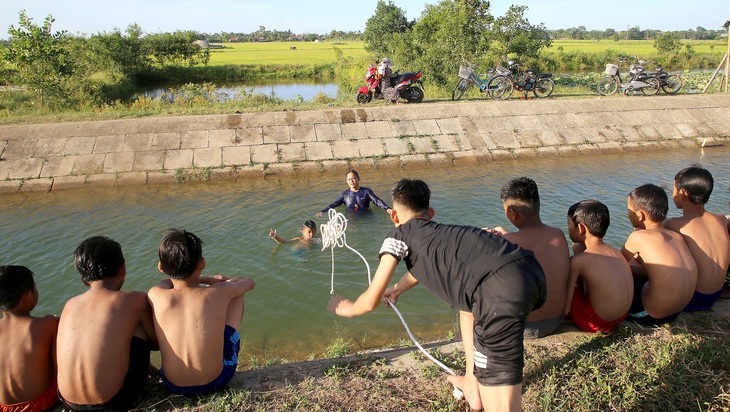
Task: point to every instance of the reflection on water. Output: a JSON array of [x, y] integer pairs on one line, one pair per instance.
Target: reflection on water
[[305, 89], [286, 313]]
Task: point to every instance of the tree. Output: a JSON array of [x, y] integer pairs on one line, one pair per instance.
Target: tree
[[41, 60], [388, 20], [446, 33], [668, 43], [513, 34]]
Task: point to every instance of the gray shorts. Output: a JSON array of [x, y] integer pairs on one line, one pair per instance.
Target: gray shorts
[[542, 328]]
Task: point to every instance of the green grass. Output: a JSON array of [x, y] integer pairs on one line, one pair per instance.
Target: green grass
[[280, 53], [634, 47]]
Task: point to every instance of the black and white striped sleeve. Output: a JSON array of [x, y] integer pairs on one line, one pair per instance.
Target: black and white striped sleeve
[[395, 247]]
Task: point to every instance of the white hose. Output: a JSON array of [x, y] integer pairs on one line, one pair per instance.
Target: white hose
[[333, 234]]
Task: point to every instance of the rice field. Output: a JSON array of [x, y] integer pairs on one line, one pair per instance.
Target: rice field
[[633, 47], [284, 53]]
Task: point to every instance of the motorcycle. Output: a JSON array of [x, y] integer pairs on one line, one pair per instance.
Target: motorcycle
[[670, 83], [405, 84], [540, 84]]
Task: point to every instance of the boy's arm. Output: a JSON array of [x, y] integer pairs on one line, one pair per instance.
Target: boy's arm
[[234, 286], [147, 323], [371, 298], [407, 282], [630, 251], [575, 268]]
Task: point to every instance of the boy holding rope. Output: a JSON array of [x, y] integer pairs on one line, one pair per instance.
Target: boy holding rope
[[494, 284]]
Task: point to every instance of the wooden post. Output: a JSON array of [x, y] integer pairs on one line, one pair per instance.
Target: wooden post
[[727, 57]]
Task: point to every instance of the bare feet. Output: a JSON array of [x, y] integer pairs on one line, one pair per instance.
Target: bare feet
[[470, 387]]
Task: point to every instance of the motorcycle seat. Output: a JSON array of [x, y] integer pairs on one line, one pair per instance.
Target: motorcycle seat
[[402, 76]]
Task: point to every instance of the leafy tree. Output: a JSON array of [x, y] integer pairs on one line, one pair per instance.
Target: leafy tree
[[446, 33], [381, 27], [40, 57], [177, 48], [668, 43], [126, 53], [513, 34]]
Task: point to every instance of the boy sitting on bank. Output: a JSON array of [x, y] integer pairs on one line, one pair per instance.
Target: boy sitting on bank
[[495, 284], [600, 287], [665, 274], [705, 233], [197, 318], [105, 334], [309, 232], [521, 201], [28, 345]]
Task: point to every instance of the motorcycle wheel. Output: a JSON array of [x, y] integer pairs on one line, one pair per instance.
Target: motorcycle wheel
[[415, 95], [543, 88], [500, 87], [653, 87], [607, 85], [460, 89], [672, 84], [363, 98]]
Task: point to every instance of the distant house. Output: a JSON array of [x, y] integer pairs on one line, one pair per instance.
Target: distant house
[[235, 39], [203, 44]]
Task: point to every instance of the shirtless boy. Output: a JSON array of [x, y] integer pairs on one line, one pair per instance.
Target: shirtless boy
[[309, 232], [705, 233], [105, 334], [600, 287], [665, 273], [196, 317], [28, 345], [494, 284], [521, 202]]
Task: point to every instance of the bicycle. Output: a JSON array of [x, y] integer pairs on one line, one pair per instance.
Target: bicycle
[[540, 84], [468, 78]]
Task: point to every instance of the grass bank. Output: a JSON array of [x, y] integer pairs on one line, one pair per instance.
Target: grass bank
[[682, 367]]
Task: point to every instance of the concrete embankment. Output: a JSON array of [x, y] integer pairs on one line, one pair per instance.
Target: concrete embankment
[[44, 157]]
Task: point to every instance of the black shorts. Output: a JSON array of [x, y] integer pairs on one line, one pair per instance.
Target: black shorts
[[501, 304]]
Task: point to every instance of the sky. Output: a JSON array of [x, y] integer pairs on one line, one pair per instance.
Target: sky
[[318, 16]]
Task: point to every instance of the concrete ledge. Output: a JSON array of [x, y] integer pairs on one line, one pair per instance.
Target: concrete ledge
[[169, 150]]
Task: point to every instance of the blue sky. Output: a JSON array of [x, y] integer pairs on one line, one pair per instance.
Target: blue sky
[[317, 16]]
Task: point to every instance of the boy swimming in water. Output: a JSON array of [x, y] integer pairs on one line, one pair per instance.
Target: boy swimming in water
[[309, 232]]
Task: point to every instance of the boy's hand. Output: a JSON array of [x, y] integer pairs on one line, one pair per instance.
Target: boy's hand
[[339, 305], [499, 230], [210, 280], [272, 233], [390, 296]]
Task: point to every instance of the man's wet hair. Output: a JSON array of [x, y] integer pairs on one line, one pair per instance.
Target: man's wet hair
[[522, 195], [180, 252], [413, 194], [97, 258], [697, 182], [652, 199], [15, 281], [354, 172], [592, 214]]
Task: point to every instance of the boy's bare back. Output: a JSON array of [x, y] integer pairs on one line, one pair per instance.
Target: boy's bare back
[[94, 341], [28, 363], [668, 264], [708, 241], [190, 320], [606, 278], [551, 250]]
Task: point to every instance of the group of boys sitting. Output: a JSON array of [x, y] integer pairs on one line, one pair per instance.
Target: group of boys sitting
[[96, 356], [666, 266]]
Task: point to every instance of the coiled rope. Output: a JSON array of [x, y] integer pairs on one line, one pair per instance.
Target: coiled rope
[[333, 235]]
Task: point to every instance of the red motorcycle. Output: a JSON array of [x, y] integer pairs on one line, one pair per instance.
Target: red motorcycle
[[404, 83]]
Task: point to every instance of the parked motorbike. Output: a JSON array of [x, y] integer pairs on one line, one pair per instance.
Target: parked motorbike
[[540, 84], [670, 83], [405, 83], [639, 80]]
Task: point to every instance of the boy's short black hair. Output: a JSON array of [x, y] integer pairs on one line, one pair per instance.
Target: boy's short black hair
[[524, 191], [180, 252], [652, 199], [593, 214], [413, 194], [697, 182], [310, 224], [15, 281], [98, 257]]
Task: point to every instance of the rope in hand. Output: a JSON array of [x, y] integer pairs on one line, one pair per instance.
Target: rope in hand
[[333, 235]]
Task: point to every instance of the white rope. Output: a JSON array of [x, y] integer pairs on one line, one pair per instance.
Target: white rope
[[333, 234]]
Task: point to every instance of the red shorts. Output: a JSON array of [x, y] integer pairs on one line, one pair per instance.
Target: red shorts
[[43, 402], [585, 318]]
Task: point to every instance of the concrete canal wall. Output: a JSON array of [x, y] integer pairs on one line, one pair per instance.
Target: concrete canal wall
[[44, 157]]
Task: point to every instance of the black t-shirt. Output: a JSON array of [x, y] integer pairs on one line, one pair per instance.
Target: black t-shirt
[[449, 260]]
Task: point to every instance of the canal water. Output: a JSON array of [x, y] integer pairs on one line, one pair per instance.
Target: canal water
[[285, 315], [293, 89]]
